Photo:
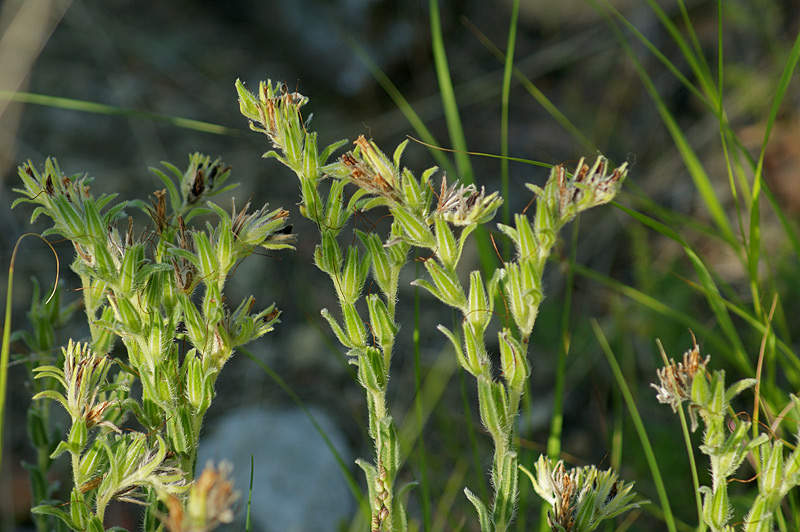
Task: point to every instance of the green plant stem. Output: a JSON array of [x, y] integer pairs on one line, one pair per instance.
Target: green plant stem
[[473, 440], [425, 489], [701, 526], [113, 110], [5, 347]]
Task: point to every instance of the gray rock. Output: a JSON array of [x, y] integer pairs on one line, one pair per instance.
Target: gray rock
[[297, 483]]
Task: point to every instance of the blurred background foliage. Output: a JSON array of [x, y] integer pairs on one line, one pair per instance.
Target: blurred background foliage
[[154, 62]]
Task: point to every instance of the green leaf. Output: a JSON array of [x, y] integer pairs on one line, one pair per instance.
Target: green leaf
[[79, 511], [462, 360], [78, 436], [475, 349], [448, 287], [505, 477], [483, 513], [388, 444], [771, 476], [354, 325], [327, 152], [738, 387], [354, 274], [343, 338], [371, 371], [90, 462], [446, 248], [195, 382], [383, 327], [415, 230], [760, 516], [513, 362], [493, 407], [95, 525], [398, 152], [379, 259], [335, 213], [46, 509], [330, 256], [479, 306]]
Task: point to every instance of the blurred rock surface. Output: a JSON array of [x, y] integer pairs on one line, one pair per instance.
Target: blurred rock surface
[[297, 483]]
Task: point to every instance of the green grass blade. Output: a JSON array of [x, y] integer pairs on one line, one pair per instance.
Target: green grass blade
[[557, 414], [653, 50], [639, 425], [5, 351], [248, 523], [557, 420], [448, 95], [736, 351], [654, 304], [696, 61], [112, 110], [447, 499], [508, 68], [696, 171], [698, 50], [687, 440], [5, 344], [754, 242]]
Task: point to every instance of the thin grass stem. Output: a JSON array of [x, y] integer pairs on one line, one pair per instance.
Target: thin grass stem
[[508, 68], [638, 424]]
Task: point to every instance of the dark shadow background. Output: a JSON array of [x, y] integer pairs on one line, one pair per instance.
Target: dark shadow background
[[181, 58]]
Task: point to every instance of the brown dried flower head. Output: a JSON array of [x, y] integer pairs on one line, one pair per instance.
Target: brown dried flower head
[[675, 380], [210, 502], [464, 204], [370, 170]]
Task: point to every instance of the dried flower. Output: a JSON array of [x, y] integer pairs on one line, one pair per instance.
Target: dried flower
[[564, 196], [83, 377], [157, 210], [464, 205], [675, 381], [184, 268], [581, 497], [589, 187], [202, 177], [209, 504], [369, 169]]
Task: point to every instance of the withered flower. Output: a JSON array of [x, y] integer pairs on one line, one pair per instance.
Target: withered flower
[[588, 187], [210, 502], [370, 170], [158, 210], [675, 380], [464, 205], [184, 268], [581, 497]]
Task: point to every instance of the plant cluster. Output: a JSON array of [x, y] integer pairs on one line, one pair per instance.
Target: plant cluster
[[160, 291], [437, 224], [728, 442]]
